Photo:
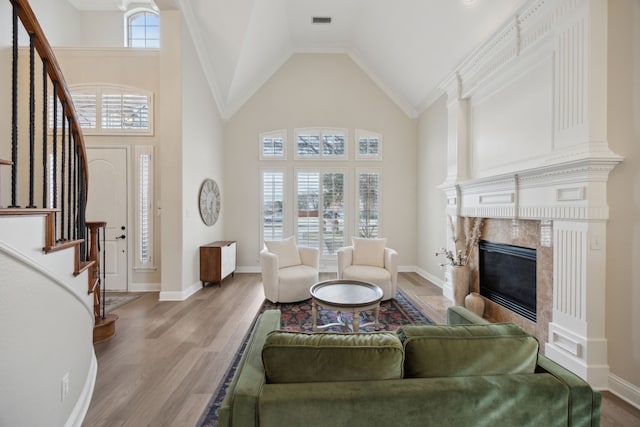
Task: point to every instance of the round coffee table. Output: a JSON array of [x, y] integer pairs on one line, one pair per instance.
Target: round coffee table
[[352, 296]]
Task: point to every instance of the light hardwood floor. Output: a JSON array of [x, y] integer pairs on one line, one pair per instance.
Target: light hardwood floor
[[168, 357]]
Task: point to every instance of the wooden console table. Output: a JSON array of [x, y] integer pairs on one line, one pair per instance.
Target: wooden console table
[[217, 261]]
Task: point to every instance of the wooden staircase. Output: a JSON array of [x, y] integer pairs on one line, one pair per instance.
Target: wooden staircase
[[55, 171]]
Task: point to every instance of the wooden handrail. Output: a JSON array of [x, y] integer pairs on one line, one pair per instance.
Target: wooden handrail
[[32, 26]]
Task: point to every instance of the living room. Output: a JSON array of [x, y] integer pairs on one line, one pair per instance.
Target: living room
[[420, 173]]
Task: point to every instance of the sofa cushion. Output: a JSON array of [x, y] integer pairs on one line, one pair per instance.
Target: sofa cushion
[[286, 251], [464, 350], [294, 357], [369, 251]]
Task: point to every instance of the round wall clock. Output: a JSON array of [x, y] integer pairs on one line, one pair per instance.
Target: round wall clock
[[209, 201]]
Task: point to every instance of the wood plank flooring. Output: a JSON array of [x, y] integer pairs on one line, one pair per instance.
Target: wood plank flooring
[[168, 357]]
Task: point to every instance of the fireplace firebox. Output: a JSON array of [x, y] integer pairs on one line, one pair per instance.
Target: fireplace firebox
[[508, 277]]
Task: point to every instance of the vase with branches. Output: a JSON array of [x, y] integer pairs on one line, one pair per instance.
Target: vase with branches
[[458, 258]]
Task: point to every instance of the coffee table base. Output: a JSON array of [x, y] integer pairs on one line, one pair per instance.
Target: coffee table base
[[355, 323]]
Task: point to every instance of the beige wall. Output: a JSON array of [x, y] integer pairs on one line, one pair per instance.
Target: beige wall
[[623, 228], [202, 157], [320, 90], [432, 171]]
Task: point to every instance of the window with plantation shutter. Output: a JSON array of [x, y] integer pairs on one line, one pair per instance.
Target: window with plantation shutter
[[108, 110], [272, 204], [328, 144], [325, 202], [320, 210], [144, 207], [125, 111], [273, 145], [368, 203], [86, 109], [368, 145]]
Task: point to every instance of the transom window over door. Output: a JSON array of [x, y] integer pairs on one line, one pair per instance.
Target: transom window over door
[[109, 110], [320, 210]]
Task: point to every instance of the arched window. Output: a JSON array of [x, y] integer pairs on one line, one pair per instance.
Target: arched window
[[143, 29]]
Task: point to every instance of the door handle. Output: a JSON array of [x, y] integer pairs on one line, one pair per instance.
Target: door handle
[[121, 237]]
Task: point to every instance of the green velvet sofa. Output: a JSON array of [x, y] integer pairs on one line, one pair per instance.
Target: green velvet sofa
[[468, 373]]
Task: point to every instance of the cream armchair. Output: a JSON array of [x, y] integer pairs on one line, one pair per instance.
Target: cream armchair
[[370, 260], [288, 271]]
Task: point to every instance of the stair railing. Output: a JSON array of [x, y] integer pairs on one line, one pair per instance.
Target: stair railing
[[49, 169]]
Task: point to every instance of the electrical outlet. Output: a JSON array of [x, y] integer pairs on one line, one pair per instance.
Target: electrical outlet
[[64, 387]]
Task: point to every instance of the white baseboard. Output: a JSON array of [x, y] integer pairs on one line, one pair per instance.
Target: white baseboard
[[430, 277], [180, 295], [624, 390], [144, 287], [82, 405]]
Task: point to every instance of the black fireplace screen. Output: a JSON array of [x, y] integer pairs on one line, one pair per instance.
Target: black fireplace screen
[[508, 277]]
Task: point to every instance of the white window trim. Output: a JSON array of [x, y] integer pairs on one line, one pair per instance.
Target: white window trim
[[282, 133], [360, 133], [321, 131], [139, 264], [127, 15]]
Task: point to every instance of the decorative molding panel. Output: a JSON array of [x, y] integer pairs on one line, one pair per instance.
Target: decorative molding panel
[[570, 271], [570, 194], [493, 199], [570, 77]]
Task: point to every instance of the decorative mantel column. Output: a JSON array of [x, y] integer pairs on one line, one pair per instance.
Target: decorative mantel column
[[457, 166]]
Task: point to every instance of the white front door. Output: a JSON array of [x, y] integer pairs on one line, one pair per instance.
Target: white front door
[[107, 201]]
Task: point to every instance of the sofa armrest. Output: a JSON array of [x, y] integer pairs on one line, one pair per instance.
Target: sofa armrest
[[345, 259], [240, 404], [457, 315], [310, 257], [584, 408]]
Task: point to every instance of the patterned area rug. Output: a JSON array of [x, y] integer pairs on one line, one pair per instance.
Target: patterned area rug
[[297, 317]]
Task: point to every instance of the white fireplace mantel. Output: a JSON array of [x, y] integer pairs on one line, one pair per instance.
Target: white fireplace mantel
[[527, 140]]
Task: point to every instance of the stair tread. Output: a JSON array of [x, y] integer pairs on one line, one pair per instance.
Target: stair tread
[[5, 162]]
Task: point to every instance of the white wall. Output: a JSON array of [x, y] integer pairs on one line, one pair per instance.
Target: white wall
[[432, 171], [202, 158], [320, 90], [59, 20], [623, 228], [102, 29], [46, 325]]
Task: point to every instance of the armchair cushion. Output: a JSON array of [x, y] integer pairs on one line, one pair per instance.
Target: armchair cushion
[[369, 251], [286, 251]]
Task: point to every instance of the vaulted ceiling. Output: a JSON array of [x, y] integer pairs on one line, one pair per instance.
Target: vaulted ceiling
[[406, 46]]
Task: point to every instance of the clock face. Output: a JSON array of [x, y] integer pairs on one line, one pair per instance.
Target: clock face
[[209, 201]]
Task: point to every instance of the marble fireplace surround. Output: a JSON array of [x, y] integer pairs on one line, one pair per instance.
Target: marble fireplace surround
[[568, 198]]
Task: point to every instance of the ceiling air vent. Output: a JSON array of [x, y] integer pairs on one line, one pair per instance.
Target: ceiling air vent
[[321, 20]]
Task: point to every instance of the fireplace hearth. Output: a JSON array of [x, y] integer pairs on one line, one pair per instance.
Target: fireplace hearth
[[507, 276]]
